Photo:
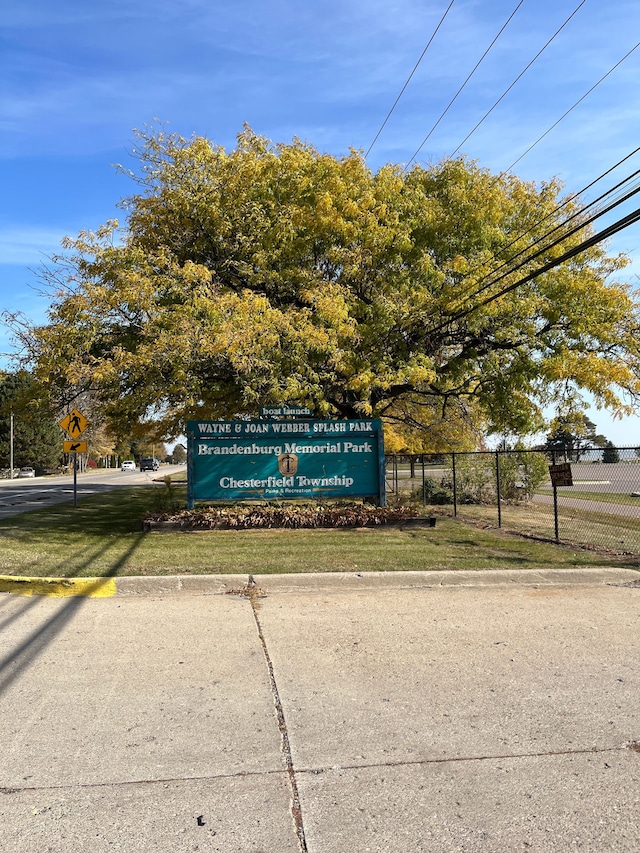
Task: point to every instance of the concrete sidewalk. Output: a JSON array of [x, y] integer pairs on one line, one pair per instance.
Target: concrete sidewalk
[[389, 713]]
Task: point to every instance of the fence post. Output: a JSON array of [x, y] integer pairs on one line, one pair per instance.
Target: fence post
[[498, 488], [555, 501], [424, 484], [455, 490]]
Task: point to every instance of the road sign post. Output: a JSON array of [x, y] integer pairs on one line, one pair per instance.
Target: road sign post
[[74, 424]]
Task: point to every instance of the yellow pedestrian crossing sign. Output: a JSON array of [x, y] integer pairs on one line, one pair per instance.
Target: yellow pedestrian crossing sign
[[74, 424], [74, 446]]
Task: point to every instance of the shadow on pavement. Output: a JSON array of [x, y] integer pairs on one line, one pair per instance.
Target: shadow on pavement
[[33, 600], [20, 658]]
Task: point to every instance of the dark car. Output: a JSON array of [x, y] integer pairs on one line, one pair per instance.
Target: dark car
[[149, 464]]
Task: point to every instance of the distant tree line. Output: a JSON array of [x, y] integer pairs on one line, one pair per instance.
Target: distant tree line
[[37, 438]]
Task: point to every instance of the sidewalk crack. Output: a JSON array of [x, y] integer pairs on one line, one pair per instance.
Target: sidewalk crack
[[253, 592]]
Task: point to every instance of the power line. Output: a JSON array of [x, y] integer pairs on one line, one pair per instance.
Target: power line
[[603, 235], [475, 68], [568, 200], [522, 73], [599, 237], [547, 216], [408, 80], [582, 224], [579, 101]]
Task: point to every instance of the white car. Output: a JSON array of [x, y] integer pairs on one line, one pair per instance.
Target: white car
[[128, 465], [26, 472]]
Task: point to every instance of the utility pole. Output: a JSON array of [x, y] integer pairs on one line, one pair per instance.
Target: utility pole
[[11, 448]]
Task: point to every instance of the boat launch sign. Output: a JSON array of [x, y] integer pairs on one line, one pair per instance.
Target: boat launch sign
[[284, 460]]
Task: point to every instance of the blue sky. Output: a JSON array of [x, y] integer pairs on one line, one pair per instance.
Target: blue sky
[[78, 77]]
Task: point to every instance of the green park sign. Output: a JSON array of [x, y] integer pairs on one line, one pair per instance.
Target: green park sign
[[284, 460]]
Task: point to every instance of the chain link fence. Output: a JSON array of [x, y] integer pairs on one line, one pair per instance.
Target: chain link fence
[[512, 489]]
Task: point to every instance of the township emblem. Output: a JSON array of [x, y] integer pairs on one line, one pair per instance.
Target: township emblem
[[287, 464]]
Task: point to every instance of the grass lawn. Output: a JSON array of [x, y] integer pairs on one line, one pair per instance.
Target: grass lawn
[[580, 525], [103, 537]]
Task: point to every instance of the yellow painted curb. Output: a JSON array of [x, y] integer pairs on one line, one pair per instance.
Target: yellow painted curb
[[59, 587]]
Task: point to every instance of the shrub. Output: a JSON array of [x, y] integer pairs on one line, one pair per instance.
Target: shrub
[[534, 471], [165, 498], [475, 478], [432, 493]]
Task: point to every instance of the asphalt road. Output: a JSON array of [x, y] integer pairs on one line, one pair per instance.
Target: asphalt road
[[607, 507], [22, 495], [387, 713], [620, 477]]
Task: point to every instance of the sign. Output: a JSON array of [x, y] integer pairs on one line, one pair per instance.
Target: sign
[[74, 446], [284, 460], [285, 412], [74, 424], [561, 474]]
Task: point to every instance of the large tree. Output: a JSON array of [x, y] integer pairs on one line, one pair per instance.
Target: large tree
[[571, 435], [276, 273]]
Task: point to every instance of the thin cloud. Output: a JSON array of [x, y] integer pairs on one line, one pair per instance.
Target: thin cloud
[[29, 244]]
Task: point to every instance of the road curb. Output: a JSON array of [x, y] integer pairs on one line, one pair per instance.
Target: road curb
[[181, 584], [327, 581], [59, 587], [312, 582]]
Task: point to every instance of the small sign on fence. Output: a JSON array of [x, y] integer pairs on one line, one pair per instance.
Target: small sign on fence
[[561, 474]]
